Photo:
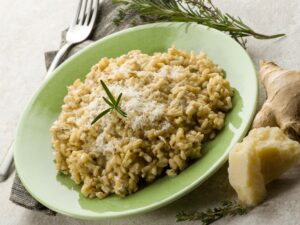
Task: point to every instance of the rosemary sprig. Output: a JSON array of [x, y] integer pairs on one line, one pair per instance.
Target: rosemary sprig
[[227, 208], [199, 11], [112, 102]]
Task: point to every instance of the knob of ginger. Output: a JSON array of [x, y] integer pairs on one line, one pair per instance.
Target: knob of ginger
[[282, 107], [263, 156]]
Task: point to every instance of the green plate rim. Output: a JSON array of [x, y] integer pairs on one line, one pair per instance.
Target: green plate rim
[[171, 198]]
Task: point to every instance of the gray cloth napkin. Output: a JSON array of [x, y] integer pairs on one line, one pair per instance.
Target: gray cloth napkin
[[104, 26]]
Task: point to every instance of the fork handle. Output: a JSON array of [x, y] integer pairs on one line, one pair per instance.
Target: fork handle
[[6, 163], [62, 51]]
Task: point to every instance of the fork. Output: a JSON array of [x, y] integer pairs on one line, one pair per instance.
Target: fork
[[79, 31]]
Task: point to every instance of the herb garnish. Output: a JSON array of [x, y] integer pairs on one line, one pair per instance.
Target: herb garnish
[[227, 208], [199, 11], [112, 102]]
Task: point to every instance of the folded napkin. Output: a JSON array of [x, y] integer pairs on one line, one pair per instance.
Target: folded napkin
[[104, 26]]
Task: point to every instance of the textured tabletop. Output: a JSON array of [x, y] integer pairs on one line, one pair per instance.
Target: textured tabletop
[[29, 28]]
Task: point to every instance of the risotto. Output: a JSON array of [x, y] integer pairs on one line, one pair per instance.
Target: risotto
[[174, 101]]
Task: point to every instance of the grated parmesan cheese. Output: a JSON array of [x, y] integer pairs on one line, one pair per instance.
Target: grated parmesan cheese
[[167, 120]]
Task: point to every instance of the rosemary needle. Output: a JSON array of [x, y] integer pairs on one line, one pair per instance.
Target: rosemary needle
[[101, 115], [112, 102], [227, 208], [199, 11]]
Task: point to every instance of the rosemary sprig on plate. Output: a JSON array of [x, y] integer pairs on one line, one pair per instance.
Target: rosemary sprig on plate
[[227, 208], [199, 11], [112, 102]]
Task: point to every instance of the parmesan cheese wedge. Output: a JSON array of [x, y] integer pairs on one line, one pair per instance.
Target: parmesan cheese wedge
[[263, 156], [245, 175]]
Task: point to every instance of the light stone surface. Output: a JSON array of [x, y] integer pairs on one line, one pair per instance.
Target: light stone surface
[[29, 28]]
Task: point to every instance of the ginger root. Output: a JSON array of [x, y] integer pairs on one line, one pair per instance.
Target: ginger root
[[282, 107], [263, 156]]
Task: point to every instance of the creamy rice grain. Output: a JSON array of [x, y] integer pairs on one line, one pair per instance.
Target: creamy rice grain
[[174, 101]]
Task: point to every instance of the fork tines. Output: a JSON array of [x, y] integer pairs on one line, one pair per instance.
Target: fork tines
[[86, 12]]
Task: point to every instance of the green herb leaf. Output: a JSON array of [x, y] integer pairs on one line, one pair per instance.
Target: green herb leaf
[[119, 110], [199, 11], [227, 208], [112, 102], [109, 94], [118, 99], [101, 115], [108, 102]]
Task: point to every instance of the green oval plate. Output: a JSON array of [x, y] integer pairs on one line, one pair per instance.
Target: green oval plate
[[33, 152]]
